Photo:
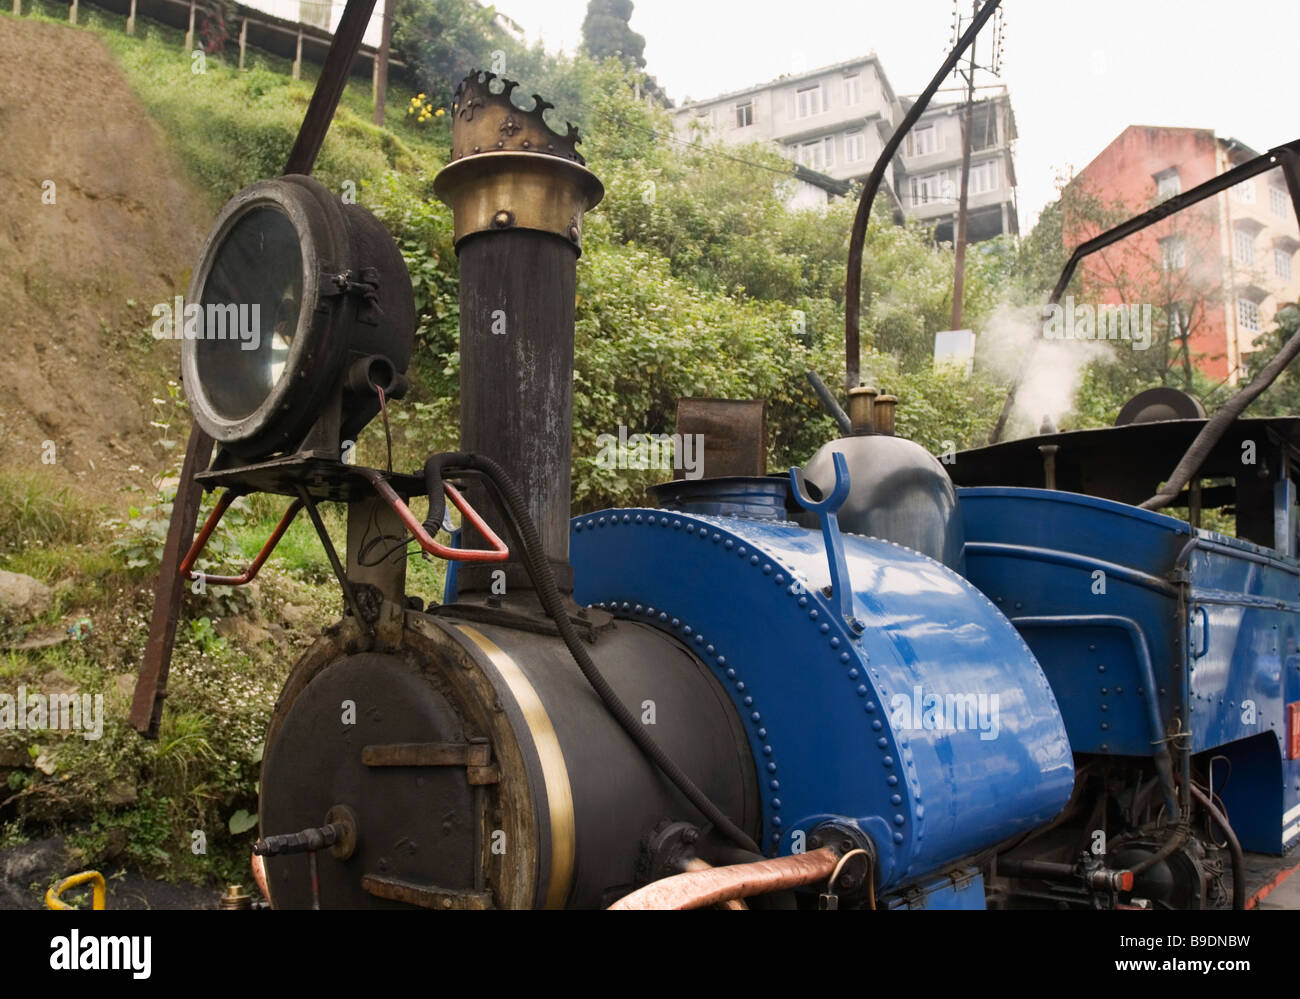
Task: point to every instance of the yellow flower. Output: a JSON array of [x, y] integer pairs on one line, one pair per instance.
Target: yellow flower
[[440, 112]]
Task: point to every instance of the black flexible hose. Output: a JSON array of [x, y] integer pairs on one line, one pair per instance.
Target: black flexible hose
[[1234, 848], [543, 578]]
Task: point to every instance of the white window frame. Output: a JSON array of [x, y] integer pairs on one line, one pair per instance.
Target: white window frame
[[1173, 253], [1248, 315], [743, 106], [984, 178], [931, 132], [809, 102], [855, 146], [1279, 200], [853, 89], [1282, 263], [812, 154], [1168, 184], [1243, 247], [931, 188], [1245, 191]]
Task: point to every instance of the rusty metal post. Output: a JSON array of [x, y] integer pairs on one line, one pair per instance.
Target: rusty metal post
[[381, 62], [169, 592], [518, 192]]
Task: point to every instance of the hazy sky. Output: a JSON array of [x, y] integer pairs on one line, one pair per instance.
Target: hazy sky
[[1078, 73]]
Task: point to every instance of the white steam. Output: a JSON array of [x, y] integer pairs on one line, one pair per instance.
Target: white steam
[[1050, 380]]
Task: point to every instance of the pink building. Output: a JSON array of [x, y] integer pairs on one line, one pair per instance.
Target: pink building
[[1221, 268]]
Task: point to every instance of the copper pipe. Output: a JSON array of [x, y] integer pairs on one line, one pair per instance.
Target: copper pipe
[[698, 864], [259, 876], [699, 889]]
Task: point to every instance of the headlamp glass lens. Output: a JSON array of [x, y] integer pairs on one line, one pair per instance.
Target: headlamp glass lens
[[248, 313]]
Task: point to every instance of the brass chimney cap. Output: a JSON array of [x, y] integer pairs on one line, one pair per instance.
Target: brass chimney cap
[[485, 121], [509, 170]]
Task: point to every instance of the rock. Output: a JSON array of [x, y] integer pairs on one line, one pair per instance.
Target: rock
[[15, 756], [65, 587], [29, 862], [121, 792], [44, 640], [241, 630], [45, 762], [56, 681], [297, 615], [23, 597], [115, 843]]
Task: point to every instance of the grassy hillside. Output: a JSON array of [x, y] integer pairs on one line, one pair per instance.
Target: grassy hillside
[[93, 530]]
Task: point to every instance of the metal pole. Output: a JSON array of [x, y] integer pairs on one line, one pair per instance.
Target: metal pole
[[858, 236], [381, 62], [959, 234], [151, 688]]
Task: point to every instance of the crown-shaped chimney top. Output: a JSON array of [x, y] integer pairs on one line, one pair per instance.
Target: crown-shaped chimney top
[[487, 121]]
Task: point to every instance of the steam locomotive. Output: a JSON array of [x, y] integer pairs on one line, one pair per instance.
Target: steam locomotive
[[881, 680]]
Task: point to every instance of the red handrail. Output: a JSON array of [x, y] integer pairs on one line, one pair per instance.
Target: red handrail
[[209, 525], [497, 553]]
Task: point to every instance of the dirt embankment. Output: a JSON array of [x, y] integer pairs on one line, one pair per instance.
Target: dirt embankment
[[94, 213]]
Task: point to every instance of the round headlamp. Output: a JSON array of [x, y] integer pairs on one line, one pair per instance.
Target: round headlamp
[[299, 310]]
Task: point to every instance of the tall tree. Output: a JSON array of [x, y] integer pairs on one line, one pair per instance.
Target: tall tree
[[442, 40], [1283, 396], [607, 31]]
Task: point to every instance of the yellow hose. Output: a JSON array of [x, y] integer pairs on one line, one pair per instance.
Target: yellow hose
[[100, 890]]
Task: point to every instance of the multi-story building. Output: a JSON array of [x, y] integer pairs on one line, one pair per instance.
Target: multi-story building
[[928, 168], [1225, 266], [833, 121]]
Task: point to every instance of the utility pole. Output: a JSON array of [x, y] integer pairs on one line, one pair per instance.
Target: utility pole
[[959, 225], [381, 64], [959, 235]]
